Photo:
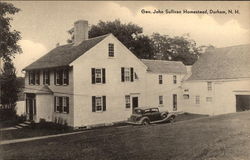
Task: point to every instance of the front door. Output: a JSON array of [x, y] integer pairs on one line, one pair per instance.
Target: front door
[[134, 103], [174, 102], [31, 106]]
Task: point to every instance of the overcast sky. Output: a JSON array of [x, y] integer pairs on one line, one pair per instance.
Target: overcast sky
[[43, 24]]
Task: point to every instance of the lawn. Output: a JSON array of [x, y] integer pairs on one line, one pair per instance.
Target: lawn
[[225, 137]]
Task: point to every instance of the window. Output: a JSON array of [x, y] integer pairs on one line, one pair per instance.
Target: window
[[37, 77], [61, 77], [174, 79], [127, 101], [185, 96], [160, 79], [31, 77], [209, 99], [111, 50], [209, 86], [98, 75], [127, 74], [46, 77], [160, 100], [62, 104], [98, 103], [34, 77], [197, 99]]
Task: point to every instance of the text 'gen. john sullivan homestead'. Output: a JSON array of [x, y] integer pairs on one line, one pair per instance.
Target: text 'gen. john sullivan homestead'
[[99, 81]]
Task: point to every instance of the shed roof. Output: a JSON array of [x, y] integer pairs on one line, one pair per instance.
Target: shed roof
[[223, 63], [65, 54], [162, 66]]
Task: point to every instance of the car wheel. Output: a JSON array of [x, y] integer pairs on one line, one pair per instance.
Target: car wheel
[[164, 116], [145, 122], [172, 119]]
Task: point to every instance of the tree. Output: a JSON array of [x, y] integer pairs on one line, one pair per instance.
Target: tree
[[8, 48], [9, 39], [179, 48], [129, 34]]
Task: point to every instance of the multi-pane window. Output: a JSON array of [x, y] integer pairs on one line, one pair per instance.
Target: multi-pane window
[[98, 103], [174, 79], [160, 79], [127, 101], [61, 104], [209, 86], [98, 75], [46, 77], [160, 100], [37, 77], [61, 77], [127, 74], [209, 99], [111, 50], [197, 99], [34, 77], [31, 77]]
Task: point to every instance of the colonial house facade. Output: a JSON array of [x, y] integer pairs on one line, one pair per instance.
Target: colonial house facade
[[97, 81], [219, 83]]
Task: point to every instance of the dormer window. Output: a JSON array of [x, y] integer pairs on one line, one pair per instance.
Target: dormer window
[[111, 50]]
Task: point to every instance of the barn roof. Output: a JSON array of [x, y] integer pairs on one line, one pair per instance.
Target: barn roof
[[162, 66], [223, 63], [65, 54]]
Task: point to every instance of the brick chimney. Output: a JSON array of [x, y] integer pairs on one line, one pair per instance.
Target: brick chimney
[[80, 31]]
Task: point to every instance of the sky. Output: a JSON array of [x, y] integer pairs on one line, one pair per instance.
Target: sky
[[43, 24]]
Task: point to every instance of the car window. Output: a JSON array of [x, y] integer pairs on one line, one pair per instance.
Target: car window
[[147, 111], [154, 110]]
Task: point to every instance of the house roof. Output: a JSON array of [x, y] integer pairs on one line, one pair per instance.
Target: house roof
[[223, 63], [65, 54], [161, 66]]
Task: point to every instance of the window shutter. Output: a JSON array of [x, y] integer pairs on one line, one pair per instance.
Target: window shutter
[[122, 74], [104, 103], [61, 77], [67, 76], [93, 75], [34, 110], [43, 77], [29, 76], [103, 76], [27, 110], [93, 103], [38, 77], [55, 104], [48, 77], [55, 77], [67, 104], [60, 104], [132, 74]]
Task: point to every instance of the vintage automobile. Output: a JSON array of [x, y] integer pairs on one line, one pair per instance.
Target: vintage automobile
[[148, 115]]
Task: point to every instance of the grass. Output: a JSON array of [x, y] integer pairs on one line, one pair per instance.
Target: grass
[[44, 129], [225, 137]]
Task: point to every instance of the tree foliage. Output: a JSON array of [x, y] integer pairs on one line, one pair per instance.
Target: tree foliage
[[129, 34], [156, 46], [179, 48], [9, 38]]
